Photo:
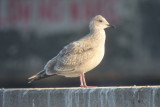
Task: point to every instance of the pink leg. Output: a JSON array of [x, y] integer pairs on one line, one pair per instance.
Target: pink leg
[[83, 81]]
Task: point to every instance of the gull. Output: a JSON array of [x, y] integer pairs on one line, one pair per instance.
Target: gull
[[80, 56]]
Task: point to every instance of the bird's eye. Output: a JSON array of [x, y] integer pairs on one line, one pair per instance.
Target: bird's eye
[[100, 20]]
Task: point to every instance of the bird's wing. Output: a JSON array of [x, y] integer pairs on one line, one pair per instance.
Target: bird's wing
[[49, 67], [72, 56]]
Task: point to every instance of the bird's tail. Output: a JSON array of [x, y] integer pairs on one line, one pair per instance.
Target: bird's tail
[[40, 75]]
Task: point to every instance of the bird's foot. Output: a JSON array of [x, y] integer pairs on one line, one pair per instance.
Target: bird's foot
[[85, 86]]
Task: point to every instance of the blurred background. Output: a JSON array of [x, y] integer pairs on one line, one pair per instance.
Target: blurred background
[[32, 32]]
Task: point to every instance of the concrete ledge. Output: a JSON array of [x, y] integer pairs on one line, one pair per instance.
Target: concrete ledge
[[141, 96]]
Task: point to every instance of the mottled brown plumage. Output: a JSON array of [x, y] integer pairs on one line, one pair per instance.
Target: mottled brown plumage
[[80, 56]]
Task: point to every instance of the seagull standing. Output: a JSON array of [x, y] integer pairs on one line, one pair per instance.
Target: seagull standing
[[79, 56]]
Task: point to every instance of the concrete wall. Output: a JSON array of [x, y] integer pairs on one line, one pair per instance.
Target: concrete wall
[[82, 97]]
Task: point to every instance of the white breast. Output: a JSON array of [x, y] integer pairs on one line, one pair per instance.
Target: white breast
[[99, 51]]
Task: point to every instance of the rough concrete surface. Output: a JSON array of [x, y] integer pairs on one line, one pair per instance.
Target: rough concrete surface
[[141, 96]]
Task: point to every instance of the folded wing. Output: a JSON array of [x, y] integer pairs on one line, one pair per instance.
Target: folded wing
[[70, 57]]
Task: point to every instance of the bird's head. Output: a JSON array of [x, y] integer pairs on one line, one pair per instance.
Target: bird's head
[[99, 22]]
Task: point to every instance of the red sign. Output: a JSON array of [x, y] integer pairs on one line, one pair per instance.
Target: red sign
[[53, 14]]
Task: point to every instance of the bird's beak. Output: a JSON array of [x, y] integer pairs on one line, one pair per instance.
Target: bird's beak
[[112, 26]]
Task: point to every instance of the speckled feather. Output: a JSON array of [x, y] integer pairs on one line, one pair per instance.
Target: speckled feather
[[82, 55]]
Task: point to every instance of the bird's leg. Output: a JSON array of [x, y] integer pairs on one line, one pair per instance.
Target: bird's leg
[[82, 80]]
